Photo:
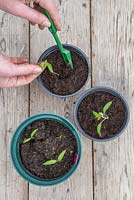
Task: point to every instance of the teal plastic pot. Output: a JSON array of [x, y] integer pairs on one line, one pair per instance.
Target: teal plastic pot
[[15, 156]]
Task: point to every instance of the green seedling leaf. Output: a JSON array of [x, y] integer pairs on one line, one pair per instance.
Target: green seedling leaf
[[50, 68], [97, 116], [30, 138], [45, 64], [61, 155], [107, 106], [99, 127], [26, 140], [102, 116], [34, 133], [50, 162]]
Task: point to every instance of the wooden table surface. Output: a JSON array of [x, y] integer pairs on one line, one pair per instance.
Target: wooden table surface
[[104, 30]]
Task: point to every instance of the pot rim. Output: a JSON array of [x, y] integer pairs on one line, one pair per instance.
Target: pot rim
[[77, 50], [14, 149], [108, 90]]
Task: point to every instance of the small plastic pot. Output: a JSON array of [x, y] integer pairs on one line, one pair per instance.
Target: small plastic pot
[[15, 156], [50, 50], [108, 90]]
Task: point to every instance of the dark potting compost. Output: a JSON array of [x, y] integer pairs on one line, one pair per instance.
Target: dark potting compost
[[51, 138], [96, 102], [66, 80]]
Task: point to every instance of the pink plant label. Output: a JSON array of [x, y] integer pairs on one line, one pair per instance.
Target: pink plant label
[[76, 158]]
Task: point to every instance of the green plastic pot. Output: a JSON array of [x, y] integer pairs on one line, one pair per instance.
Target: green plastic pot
[[15, 156]]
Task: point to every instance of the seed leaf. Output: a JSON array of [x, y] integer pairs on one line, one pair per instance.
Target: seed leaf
[[50, 68], [99, 128], [26, 140], [61, 155], [45, 64], [107, 106], [50, 162], [97, 116], [34, 133]]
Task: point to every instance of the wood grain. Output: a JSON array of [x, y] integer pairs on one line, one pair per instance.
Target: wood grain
[[13, 107], [76, 31], [112, 42], [113, 61]]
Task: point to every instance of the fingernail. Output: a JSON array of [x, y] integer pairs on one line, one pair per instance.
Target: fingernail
[[33, 24], [37, 70], [46, 23], [41, 27], [59, 27]]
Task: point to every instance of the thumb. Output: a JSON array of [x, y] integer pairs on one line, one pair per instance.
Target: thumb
[[30, 14], [23, 69]]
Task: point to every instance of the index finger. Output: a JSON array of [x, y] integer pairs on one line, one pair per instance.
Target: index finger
[[51, 7]]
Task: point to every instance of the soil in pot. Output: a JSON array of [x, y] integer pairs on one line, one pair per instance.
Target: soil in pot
[[68, 81], [50, 140], [96, 102]]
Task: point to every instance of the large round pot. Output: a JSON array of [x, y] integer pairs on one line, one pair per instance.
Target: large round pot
[[15, 155]]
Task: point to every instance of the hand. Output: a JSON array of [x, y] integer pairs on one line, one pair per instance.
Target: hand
[[15, 72], [21, 8]]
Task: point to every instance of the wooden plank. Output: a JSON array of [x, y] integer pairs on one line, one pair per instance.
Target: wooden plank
[[76, 31], [13, 106], [113, 61]]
